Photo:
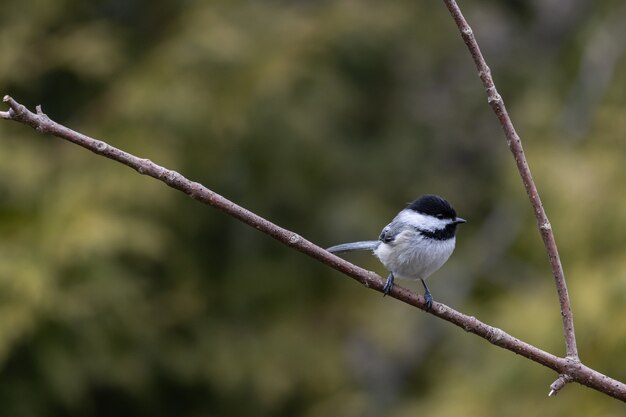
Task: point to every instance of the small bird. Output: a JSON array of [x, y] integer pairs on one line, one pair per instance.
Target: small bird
[[417, 242]]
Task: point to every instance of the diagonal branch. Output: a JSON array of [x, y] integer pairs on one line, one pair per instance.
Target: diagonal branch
[[515, 145], [563, 366]]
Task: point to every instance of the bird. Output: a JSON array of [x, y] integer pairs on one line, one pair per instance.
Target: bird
[[417, 242]]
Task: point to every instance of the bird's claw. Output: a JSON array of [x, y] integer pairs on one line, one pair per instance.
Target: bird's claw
[[427, 296], [388, 285], [429, 300]]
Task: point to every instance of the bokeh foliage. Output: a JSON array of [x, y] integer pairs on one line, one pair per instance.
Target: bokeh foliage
[[119, 296]]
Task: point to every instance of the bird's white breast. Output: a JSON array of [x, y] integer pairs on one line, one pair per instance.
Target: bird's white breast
[[412, 256]]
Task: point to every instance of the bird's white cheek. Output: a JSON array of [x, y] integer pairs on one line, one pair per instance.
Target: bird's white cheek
[[421, 221]]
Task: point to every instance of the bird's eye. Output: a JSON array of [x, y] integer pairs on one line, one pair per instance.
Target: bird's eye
[[439, 216]]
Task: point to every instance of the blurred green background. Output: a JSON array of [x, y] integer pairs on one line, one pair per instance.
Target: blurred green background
[[122, 297]]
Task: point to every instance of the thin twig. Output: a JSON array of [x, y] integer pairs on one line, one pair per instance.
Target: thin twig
[[564, 366], [515, 145], [558, 385]]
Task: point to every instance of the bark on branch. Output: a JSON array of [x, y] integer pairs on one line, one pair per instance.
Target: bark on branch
[[573, 369]]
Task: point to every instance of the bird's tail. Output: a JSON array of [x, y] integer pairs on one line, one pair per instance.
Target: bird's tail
[[349, 247]]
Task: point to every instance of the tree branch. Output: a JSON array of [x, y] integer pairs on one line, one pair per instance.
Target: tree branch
[[564, 366], [515, 145]]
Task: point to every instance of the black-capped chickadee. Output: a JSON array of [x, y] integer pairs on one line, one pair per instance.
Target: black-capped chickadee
[[417, 242]]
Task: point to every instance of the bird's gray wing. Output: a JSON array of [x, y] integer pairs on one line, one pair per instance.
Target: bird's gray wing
[[390, 232]]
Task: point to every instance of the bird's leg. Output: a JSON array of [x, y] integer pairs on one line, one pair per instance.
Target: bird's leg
[[388, 284], [427, 295]]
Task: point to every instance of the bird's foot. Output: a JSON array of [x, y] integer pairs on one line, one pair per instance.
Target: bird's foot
[[388, 284], [429, 300], [427, 296]]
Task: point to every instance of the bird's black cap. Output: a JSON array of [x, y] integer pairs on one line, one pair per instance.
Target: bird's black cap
[[433, 205]]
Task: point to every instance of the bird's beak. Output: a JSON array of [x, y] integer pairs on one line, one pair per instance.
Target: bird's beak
[[459, 220]]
